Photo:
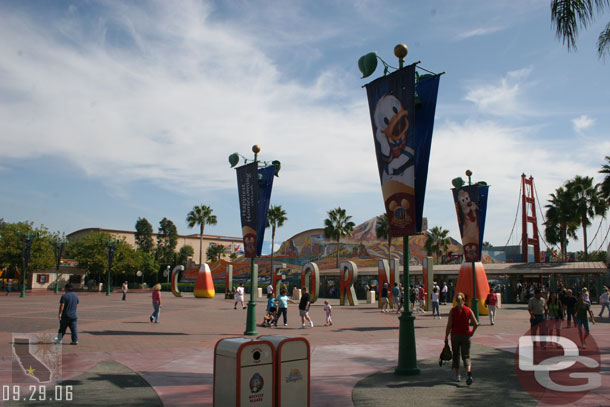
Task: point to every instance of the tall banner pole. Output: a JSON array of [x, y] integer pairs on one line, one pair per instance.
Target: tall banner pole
[[402, 106], [254, 186], [471, 208], [407, 351]]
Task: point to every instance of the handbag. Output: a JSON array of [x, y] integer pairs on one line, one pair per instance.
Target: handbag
[[446, 354]]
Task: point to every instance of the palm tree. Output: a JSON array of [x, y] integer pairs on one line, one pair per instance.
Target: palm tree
[[561, 220], [201, 215], [568, 16], [605, 184], [338, 225], [382, 229], [437, 242], [275, 219], [588, 203]]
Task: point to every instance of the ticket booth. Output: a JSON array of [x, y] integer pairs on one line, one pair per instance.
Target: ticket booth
[[244, 373], [292, 370]]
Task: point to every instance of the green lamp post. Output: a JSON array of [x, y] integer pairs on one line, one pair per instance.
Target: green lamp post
[[254, 182], [58, 248], [110, 250], [402, 106], [26, 248]]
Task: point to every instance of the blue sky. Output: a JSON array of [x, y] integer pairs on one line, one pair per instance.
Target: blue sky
[[110, 111]]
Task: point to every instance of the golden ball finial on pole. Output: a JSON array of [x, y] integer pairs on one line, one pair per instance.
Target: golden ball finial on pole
[[468, 173], [401, 51], [256, 149]]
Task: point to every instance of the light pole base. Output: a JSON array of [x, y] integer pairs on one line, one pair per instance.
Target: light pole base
[[251, 319], [474, 305], [407, 352]]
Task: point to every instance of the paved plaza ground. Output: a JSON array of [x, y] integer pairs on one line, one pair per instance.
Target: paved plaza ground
[[123, 359]]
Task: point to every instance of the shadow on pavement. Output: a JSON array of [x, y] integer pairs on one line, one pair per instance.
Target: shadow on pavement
[[129, 333], [108, 383], [495, 383]]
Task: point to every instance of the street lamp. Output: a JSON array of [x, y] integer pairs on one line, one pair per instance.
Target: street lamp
[[402, 106], [167, 273], [26, 248], [58, 247], [254, 189], [110, 249]]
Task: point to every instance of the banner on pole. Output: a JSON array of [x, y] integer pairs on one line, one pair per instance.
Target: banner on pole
[[402, 134], [254, 188], [471, 207]]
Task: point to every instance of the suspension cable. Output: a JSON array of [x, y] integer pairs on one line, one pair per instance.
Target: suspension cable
[[605, 237], [516, 216], [541, 214], [598, 228]]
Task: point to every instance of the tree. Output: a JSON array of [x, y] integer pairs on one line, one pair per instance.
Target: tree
[[201, 215], [167, 239], [184, 253], [336, 226], [382, 229], [90, 253], [275, 219], [605, 184], [215, 252], [437, 242], [42, 256], [561, 220], [588, 203], [568, 16], [143, 235]]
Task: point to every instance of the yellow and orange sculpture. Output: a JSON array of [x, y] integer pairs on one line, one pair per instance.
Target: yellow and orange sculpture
[[204, 285], [464, 285]]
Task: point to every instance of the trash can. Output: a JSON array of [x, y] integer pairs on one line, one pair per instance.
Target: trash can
[[244, 373], [291, 370], [370, 297]]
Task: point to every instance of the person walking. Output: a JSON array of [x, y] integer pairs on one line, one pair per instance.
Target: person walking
[[67, 316], [239, 296], [460, 331], [124, 288], [436, 310], [304, 305], [396, 296], [328, 310], [570, 306], [492, 305], [538, 312], [581, 318], [444, 292], [156, 302], [385, 303], [282, 306], [555, 315], [604, 301]]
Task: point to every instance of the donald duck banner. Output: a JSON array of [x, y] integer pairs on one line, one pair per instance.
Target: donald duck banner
[[402, 134], [254, 189], [471, 207]]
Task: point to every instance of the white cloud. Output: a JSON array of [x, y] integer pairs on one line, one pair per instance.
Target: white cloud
[[499, 154], [479, 32], [504, 98], [582, 122], [168, 101]]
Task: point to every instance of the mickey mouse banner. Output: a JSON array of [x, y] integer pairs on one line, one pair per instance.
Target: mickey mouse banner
[[402, 134], [471, 207]]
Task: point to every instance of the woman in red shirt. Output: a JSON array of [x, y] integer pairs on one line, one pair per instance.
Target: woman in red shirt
[[458, 326], [156, 301]]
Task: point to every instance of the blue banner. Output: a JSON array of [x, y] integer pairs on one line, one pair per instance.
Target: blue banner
[[402, 132], [265, 184], [471, 208]]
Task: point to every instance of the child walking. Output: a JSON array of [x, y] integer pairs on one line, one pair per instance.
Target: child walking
[[329, 310]]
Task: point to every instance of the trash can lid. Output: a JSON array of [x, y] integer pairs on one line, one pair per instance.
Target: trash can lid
[[250, 352], [288, 348]]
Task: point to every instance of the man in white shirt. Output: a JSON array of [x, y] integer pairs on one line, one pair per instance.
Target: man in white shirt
[[270, 289]]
